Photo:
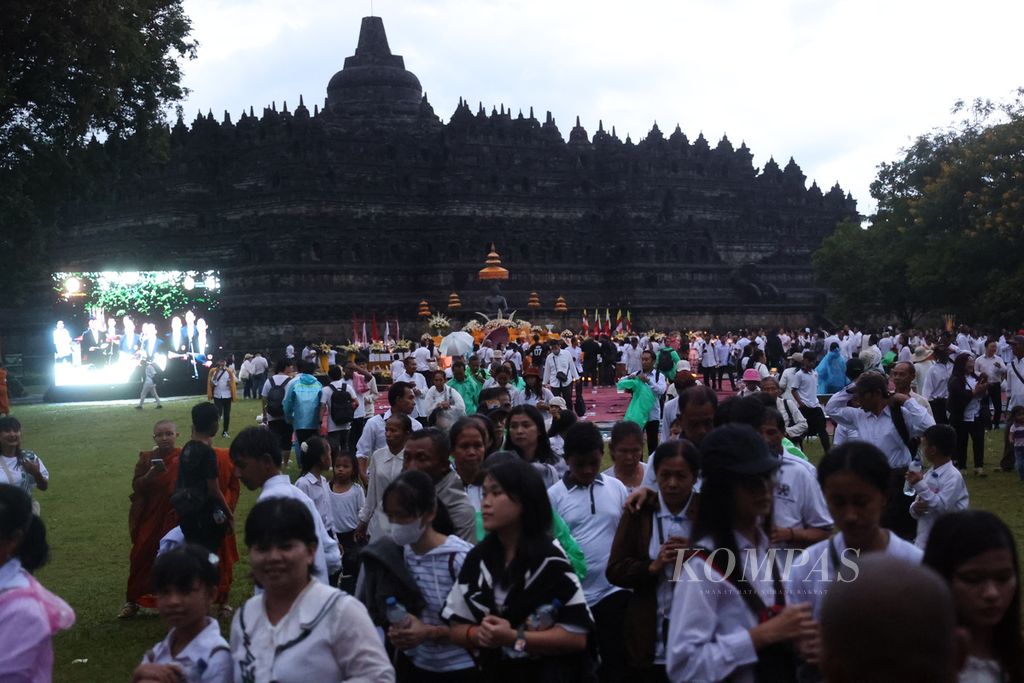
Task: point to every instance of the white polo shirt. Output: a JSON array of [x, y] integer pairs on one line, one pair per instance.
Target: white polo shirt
[[805, 387], [206, 658], [592, 514], [799, 502]]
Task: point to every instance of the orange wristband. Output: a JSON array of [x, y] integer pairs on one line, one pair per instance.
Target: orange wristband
[[471, 634]]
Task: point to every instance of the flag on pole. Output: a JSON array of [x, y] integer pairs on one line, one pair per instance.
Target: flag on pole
[[586, 325], [376, 336], [355, 329], [387, 330], [365, 340], [398, 330], [629, 322], [618, 321], [607, 322]]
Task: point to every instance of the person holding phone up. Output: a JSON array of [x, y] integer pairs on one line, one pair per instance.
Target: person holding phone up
[[149, 517]]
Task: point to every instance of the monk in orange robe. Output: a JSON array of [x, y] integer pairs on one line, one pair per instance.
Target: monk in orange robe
[[151, 515], [228, 550]]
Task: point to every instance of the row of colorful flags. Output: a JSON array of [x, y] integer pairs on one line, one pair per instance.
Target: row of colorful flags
[[622, 324]]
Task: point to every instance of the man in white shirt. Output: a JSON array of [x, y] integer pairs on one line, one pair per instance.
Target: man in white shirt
[[591, 505], [560, 372], [902, 375], [656, 383], [337, 433], [875, 424], [258, 368], [422, 357], [289, 352], [804, 385], [418, 382], [631, 356], [257, 463], [786, 380], [708, 351], [1015, 373], [993, 367], [725, 363], [486, 353]]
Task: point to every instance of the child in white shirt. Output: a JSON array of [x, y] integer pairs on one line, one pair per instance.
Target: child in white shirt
[[346, 499], [941, 489], [185, 582]]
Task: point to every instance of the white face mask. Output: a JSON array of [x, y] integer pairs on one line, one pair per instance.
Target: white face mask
[[405, 534]]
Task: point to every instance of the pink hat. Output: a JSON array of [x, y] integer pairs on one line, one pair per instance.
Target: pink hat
[[751, 375]]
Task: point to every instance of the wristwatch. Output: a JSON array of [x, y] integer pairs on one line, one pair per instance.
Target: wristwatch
[[520, 644]]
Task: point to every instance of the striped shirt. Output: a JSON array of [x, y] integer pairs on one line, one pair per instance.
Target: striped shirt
[[435, 573]]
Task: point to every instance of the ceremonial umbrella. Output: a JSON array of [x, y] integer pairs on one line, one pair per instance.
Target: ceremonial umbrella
[[457, 344]]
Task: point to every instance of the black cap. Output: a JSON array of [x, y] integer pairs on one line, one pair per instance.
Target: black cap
[[738, 449]]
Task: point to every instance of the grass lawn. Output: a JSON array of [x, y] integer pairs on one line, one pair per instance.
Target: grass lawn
[[91, 450]]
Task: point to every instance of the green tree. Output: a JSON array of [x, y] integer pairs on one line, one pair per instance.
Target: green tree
[[949, 228], [70, 69]]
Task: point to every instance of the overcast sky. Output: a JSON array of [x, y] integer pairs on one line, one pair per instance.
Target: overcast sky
[[840, 86]]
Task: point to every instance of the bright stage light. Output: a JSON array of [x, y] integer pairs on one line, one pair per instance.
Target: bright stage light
[[210, 282], [189, 283], [73, 286]]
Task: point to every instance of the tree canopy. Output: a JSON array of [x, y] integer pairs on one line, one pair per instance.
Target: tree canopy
[[70, 69], [948, 231]]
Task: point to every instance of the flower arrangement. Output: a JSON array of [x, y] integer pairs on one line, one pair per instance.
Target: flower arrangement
[[439, 322], [323, 348], [352, 348], [403, 345], [568, 334], [378, 347], [472, 326]]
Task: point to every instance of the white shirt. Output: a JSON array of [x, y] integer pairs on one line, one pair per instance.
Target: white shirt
[[786, 382], [631, 358], [668, 415], [796, 423], [936, 384], [435, 398], [610, 472], [12, 472], [944, 489], [325, 400], [373, 439], [280, 486], [994, 368], [879, 430], [592, 514], [317, 488], [724, 353], [514, 395], [289, 351], [973, 406], [556, 363], [709, 354], [666, 526], [345, 508], [206, 659], [815, 571], [422, 356], [799, 502], [805, 387], [342, 643], [533, 400], [709, 630], [384, 467], [220, 380], [258, 365], [1014, 385]]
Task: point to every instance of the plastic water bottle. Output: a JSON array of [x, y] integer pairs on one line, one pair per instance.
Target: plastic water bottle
[[219, 517], [915, 466], [396, 612], [544, 617]]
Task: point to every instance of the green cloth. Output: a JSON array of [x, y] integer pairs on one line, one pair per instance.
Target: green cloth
[[643, 399], [792, 449], [670, 375], [469, 390], [560, 530]]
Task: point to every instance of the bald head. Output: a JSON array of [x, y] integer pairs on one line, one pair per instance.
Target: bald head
[[894, 623]]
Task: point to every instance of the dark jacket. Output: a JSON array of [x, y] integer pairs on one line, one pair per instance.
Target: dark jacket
[[384, 575], [628, 567], [959, 396]]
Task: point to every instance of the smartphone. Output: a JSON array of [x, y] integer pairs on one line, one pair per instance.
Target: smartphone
[[157, 462]]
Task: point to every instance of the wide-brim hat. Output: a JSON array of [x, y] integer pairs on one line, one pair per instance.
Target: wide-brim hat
[[531, 372], [797, 357], [557, 402], [921, 353], [683, 366], [738, 449]]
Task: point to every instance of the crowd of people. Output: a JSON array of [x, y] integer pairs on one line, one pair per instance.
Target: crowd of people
[[473, 532]]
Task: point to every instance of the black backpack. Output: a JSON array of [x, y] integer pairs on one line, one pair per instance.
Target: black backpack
[[341, 405], [275, 398], [665, 363]]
